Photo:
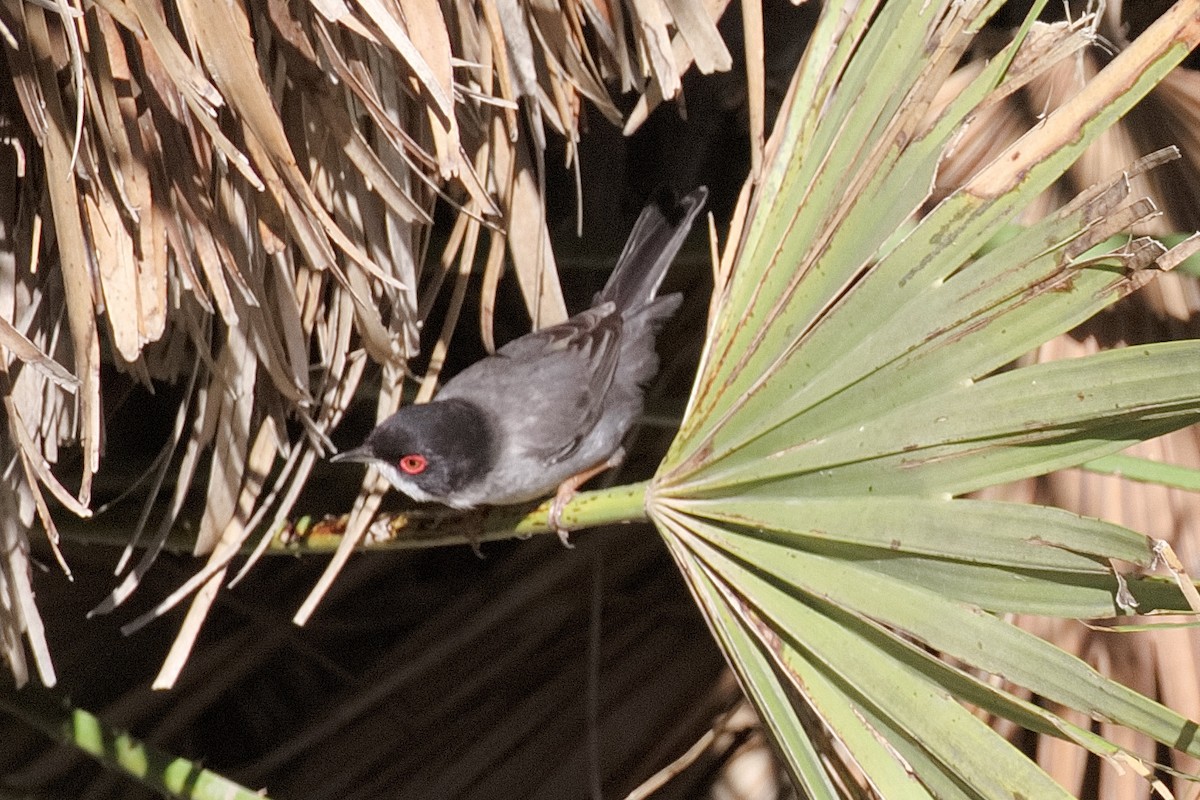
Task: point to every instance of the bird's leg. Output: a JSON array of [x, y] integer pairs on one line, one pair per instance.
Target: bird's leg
[[567, 489], [471, 522], [476, 544]]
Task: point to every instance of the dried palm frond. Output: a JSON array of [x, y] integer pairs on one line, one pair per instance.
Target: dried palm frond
[[238, 199]]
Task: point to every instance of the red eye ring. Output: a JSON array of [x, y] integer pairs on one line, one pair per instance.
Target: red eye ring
[[413, 464]]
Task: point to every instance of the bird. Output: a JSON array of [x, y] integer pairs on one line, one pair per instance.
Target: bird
[[550, 409]]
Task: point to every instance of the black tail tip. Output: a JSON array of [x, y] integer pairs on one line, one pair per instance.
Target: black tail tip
[[673, 207]]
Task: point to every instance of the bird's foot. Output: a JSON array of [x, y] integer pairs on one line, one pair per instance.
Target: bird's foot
[[568, 488], [476, 547], [566, 491], [473, 529]]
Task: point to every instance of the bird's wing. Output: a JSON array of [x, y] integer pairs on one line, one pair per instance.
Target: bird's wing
[[554, 380]]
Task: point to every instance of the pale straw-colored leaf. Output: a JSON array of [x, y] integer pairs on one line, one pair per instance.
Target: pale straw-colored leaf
[[229, 421], [193, 451], [696, 26], [20, 618], [426, 27], [20, 347], [608, 20], [113, 250], [756, 82], [393, 31], [258, 463], [74, 260], [683, 56], [117, 118], [437, 358], [498, 54], [650, 23], [35, 464], [492, 272], [529, 240], [361, 516]]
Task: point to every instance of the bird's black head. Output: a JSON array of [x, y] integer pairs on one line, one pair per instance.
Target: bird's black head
[[431, 452]]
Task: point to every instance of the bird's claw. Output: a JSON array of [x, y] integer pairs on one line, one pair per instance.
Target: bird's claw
[[476, 546], [555, 517], [567, 489]]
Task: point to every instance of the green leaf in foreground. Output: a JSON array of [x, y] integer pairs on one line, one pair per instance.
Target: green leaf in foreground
[[857, 379], [170, 775]]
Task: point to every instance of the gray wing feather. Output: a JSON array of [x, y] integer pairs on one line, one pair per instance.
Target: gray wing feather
[[574, 389], [552, 381]]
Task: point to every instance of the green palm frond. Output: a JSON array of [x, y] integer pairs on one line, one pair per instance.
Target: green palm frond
[[855, 382]]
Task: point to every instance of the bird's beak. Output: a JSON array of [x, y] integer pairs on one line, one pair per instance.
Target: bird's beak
[[359, 455]]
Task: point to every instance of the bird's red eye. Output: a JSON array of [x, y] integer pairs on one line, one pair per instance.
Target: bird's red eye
[[413, 464]]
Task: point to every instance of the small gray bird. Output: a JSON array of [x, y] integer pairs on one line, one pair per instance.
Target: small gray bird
[[551, 408]]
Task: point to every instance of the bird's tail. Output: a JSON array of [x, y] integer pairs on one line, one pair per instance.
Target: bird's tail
[[652, 245]]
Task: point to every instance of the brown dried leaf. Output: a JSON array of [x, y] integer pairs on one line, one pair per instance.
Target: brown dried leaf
[[365, 507], [196, 443], [650, 19], [113, 251], [258, 465], [18, 345], [529, 245], [19, 615], [425, 25], [1061, 127], [697, 28], [466, 260], [756, 83], [652, 98], [35, 465], [393, 32], [73, 254], [234, 378]]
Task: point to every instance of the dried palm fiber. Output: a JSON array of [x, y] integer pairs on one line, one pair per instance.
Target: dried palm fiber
[[409, 684], [224, 661], [238, 199], [1164, 663], [409, 647]]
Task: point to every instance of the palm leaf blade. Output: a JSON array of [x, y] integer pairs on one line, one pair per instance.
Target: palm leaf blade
[[855, 382]]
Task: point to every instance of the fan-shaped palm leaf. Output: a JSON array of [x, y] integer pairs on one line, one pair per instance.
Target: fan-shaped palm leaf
[[852, 386]]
